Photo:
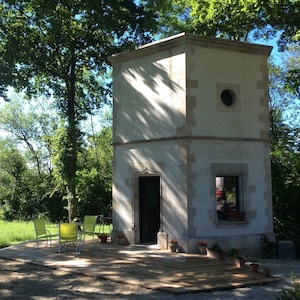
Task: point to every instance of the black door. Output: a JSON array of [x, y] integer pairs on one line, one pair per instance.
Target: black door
[[149, 200]]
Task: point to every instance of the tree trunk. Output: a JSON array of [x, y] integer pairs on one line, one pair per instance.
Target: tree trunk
[[72, 140]]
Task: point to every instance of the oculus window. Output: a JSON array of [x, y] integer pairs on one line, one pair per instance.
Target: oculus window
[[229, 198], [228, 97]]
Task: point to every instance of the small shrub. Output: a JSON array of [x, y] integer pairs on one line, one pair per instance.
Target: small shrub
[[291, 294], [202, 243], [269, 248], [216, 247], [233, 253]]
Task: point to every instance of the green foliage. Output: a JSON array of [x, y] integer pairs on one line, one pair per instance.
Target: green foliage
[[15, 232], [231, 19], [291, 71], [233, 252], [25, 194], [60, 49], [269, 247], [216, 247], [285, 160], [31, 125], [95, 175], [290, 294], [22, 231]]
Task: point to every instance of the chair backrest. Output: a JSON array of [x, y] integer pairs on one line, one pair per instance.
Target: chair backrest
[[68, 231], [39, 226], [89, 223]]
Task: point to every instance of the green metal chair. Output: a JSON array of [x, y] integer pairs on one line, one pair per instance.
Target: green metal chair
[[88, 226], [68, 233], [41, 233]]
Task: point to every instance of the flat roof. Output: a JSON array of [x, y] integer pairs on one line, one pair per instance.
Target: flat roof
[[189, 38]]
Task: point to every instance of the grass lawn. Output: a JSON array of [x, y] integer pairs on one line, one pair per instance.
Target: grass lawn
[[20, 231], [15, 232]]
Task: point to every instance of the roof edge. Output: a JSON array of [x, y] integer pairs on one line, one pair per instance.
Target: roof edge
[[189, 38]]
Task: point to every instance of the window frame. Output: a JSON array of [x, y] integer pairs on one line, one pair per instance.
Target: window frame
[[227, 215]]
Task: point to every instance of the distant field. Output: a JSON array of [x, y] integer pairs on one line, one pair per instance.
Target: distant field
[[17, 232]]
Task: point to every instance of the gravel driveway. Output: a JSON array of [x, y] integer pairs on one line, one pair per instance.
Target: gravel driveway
[[20, 280]]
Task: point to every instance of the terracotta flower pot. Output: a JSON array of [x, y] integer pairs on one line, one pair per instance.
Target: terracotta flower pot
[[240, 262], [121, 241], [254, 267], [267, 272], [215, 254], [202, 250], [173, 247], [103, 239]]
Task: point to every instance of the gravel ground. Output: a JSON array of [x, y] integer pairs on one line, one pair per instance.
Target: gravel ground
[[28, 281]]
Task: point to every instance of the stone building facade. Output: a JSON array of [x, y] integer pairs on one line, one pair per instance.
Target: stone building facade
[[191, 143]]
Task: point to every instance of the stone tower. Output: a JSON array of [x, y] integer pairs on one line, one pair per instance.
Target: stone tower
[[191, 143]]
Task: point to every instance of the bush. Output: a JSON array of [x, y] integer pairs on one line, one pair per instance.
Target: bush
[[291, 294]]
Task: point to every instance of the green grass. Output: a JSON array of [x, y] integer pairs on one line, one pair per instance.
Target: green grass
[[17, 232]]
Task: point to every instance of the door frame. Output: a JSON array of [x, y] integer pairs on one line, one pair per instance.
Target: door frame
[[136, 202], [149, 215]]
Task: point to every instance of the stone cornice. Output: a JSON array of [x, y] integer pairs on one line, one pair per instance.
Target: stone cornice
[[184, 138], [194, 39]]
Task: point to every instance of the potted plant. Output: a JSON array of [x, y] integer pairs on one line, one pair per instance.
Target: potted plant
[[202, 245], [121, 239], [173, 245], [233, 257], [267, 271], [216, 251], [103, 237], [254, 265]]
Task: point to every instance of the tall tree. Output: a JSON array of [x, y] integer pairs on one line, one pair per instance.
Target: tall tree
[[30, 124], [59, 48], [285, 85], [285, 158], [231, 19]]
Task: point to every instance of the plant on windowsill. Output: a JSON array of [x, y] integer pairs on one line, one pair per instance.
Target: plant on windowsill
[[173, 245], [202, 245], [216, 251], [235, 215]]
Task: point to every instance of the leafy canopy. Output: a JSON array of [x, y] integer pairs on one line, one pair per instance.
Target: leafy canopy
[[231, 19], [48, 46]]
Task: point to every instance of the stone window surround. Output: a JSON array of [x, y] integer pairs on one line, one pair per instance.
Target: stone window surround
[[235, 88], [230, 169]]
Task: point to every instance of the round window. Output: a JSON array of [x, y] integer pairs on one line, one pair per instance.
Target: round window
[[228, 97]]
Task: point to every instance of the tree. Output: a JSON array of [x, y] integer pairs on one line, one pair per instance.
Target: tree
[[12, 171], [285, 158], [231, 19], [30, 124], [95, 174], [285, 85], [291, 70], [60, 49]]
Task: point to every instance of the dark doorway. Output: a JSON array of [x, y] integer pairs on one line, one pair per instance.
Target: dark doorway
[[149, 200]]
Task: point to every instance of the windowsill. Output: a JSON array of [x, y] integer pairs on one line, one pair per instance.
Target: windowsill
[[231, 223]]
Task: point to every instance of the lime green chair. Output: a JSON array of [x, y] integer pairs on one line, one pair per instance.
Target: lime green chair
[[68, 233], [89, 225], [41, 233]]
